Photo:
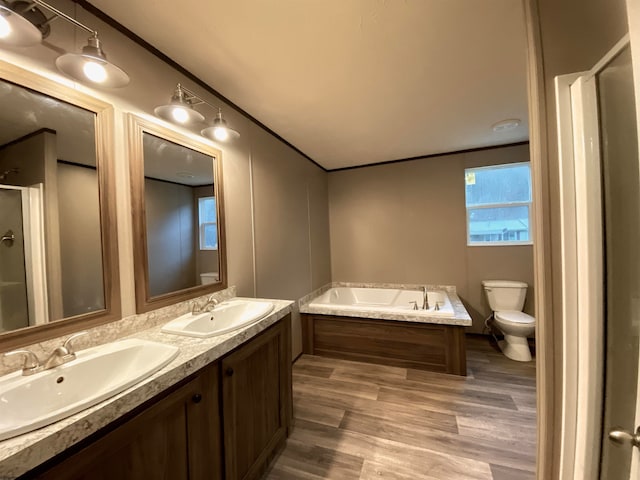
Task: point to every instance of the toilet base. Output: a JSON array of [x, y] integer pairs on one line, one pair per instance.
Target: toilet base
[[515, 348]]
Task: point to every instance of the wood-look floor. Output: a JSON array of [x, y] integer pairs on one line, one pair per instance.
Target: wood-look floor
[[361, 421]]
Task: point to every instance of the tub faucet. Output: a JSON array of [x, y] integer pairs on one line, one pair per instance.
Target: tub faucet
[[425, 299], [208, 306]]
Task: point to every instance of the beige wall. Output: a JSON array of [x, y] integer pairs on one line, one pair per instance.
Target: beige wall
[[171, 227], [80, 240], [406, 223]]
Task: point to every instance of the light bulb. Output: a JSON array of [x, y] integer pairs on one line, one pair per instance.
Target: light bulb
[[5, 27], [180, 114], [221, 133], [94, 71]]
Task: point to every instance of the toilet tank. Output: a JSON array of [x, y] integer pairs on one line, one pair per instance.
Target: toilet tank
[[505, 294]]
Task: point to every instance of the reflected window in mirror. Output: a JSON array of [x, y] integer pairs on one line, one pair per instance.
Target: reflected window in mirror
[[176, 183], [57, 245]]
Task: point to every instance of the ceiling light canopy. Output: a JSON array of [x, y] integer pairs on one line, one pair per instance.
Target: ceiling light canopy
[[23, 24], [180, 110]]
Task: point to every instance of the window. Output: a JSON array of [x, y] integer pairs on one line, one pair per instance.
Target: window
[[498, 200], [208, 223]]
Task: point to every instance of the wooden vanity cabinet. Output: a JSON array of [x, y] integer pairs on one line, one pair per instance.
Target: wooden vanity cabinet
[[227, 422], [256, 402], [176, 438]]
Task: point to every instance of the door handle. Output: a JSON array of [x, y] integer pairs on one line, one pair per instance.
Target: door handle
[[624, 437]]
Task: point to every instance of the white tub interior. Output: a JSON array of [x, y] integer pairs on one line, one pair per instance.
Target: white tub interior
[[384, 300]]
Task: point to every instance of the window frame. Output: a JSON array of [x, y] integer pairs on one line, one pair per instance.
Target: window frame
[[202, 225], [528, 204]]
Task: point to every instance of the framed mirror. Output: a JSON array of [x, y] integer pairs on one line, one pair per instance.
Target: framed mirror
[[58, 240], [178, 216]]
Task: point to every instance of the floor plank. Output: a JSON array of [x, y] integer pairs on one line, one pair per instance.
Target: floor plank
[[360, 421]]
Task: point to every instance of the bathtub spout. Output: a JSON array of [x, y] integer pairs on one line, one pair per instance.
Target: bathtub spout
[[425, 299]]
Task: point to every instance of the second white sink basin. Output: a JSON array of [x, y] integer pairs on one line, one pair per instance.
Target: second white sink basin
[[226, 317], [30, 402]]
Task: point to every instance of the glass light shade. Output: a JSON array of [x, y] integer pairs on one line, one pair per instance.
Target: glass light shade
[[92, 69], [17, 31], [180, 113], [92, 65], [220, 131]]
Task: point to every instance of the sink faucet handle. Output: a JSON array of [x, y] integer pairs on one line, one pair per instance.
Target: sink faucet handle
[[415, 304], [31, 362], [67, 343]]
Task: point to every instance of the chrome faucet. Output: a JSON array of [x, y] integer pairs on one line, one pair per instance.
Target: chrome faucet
[[62, 354], [208, 306], [425, 299], [59, 356], [31, 363]]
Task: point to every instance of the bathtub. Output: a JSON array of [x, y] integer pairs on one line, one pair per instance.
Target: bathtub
[[384, 300]]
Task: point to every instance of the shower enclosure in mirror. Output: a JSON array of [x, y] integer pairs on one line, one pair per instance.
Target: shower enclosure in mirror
[[58, 256], [178, 221]]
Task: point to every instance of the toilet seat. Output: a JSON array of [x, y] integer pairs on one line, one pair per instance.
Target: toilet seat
[[512, 316]]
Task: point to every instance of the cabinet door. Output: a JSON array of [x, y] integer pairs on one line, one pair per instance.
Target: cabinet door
[[256, 402], [177, 438]]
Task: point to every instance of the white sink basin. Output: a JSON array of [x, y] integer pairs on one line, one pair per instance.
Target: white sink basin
[[31, 402], [226, 317]]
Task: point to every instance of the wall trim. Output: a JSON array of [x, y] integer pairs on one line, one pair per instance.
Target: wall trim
[[433, 155]]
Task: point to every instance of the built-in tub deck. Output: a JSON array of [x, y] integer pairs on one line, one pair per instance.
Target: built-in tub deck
[[378, 324]]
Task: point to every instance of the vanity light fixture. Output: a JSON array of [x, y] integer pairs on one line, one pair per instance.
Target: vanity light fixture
[[220, 130], [180, 111], [23, 24]]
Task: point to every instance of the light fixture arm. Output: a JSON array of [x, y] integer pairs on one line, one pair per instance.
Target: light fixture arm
[[194, 99], [64, 16]]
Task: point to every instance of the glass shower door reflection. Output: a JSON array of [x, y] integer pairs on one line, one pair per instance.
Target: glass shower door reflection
[[621, 200], [14, 311]]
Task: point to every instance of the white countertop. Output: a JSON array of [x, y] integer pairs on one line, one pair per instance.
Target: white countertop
[[20, 454]]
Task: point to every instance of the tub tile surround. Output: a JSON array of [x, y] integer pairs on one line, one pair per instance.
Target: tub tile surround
[[460, 318], [20, 454]]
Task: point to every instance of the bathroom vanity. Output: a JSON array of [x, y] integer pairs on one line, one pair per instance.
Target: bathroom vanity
[[222, 409]]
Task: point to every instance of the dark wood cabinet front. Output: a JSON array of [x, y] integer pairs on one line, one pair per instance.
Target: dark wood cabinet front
[[256, 389], [177, 438]]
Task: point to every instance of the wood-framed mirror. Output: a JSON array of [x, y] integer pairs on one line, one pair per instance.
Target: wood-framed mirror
[[58, 254], [178, 215]]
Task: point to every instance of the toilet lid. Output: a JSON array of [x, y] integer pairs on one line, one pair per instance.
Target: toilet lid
[[514, 317]]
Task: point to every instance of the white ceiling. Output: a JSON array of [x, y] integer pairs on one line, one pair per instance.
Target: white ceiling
[[24, 111], [352, 82]]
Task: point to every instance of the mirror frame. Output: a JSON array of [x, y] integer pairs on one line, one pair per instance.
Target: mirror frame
[[137, 127], [104, 127]]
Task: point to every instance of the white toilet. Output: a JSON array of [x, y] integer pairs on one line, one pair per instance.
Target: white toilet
[[506, 299]]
